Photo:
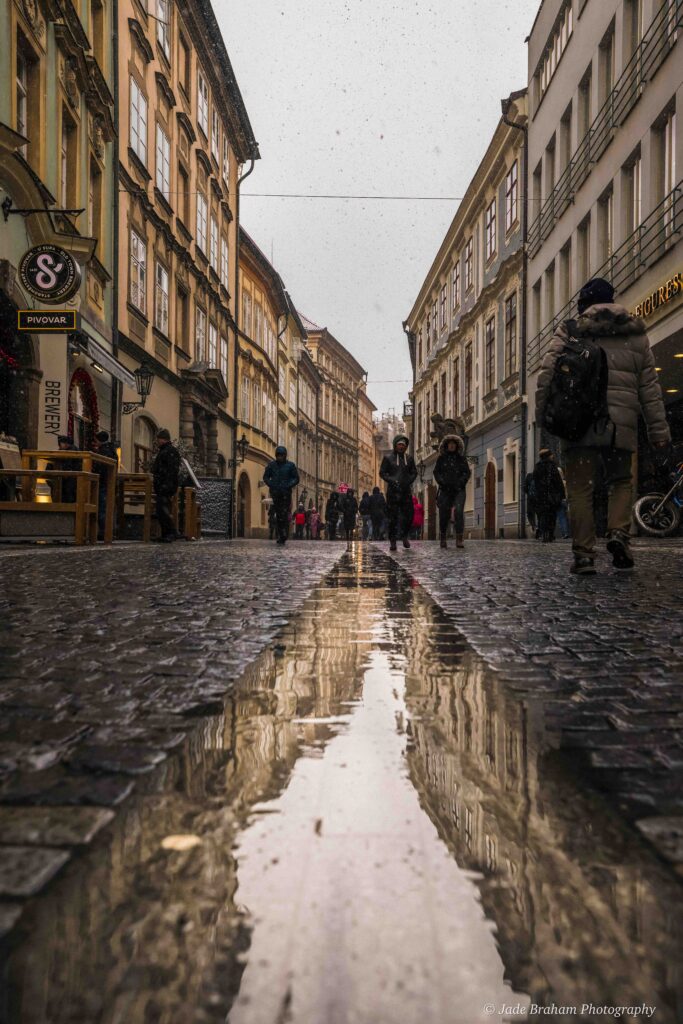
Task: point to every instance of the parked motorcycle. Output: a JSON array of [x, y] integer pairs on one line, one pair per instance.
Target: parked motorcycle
[[659, 515]]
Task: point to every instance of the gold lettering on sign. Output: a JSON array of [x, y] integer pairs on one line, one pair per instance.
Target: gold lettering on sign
[[660, 296]]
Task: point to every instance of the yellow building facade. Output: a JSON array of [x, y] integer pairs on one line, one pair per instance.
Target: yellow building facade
[[368, 468], [184, 134]]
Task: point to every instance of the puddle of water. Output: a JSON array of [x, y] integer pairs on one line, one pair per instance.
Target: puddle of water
[[372, 832]]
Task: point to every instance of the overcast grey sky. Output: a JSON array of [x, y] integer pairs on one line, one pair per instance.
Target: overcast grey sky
[[370, 98]]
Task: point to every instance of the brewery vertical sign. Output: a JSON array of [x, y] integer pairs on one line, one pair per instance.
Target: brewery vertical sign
[[51, 275]]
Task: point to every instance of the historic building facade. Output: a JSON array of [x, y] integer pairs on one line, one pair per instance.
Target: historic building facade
[[368, 468], [309, 384], [184, 132], [263, 308], [343, 378], [57, 153], [464, 331], [604, 175]]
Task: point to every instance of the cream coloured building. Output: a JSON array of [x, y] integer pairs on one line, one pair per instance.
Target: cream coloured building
[[368, 468], [605, 165], [465, 331], [183, 135]]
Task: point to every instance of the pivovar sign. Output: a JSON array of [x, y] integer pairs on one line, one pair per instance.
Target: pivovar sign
[[49, 273], [60, 321]]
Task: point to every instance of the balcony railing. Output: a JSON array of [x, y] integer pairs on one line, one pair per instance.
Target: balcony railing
[[651, 239], [656, 43]]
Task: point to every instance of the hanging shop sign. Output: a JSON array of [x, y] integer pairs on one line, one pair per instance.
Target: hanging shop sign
[[59, 321], [50, 273], [660, 296]]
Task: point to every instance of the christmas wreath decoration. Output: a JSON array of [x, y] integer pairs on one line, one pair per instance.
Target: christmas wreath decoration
[[82, 379]]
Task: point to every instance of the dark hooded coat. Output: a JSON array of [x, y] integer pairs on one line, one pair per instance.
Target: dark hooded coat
[[398, 471], [452, 470], [281, 477]]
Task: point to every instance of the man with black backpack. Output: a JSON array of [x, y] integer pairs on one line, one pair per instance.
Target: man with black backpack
[[597, 376]]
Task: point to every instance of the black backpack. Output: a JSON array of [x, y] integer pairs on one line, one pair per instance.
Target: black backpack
[[577, 394]]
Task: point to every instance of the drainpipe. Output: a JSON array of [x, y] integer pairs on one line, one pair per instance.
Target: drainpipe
[[236, 321], [524, 414], [118, 395]]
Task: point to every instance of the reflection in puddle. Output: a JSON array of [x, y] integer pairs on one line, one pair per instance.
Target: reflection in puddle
[[372, 832]]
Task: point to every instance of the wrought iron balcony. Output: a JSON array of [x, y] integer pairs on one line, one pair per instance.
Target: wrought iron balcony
[[651, 239], [656, 43]]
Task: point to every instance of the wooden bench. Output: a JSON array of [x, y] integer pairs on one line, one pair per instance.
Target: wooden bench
[[88, 460], [24, 517], [135, 490]]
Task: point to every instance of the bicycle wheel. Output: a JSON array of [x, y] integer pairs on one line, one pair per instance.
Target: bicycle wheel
[[655, 523]]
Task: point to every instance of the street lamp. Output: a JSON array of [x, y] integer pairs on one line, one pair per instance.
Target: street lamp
[[241, 448], [144, 378]]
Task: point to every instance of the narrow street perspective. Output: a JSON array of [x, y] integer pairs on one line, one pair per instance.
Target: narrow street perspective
[[341, 511]]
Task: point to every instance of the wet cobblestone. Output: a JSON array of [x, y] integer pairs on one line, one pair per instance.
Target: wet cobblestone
[[108, 660], [601, 656]]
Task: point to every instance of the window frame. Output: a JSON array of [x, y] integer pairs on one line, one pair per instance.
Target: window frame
[[138, 117], [469, 265], [202, 222], [138, 271], [200, 334], [490, 355], [510, 340], [161, 297], [203, 103], [163, 151], [490, 229], [512, 197]]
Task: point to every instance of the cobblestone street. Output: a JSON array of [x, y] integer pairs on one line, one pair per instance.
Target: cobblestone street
[[165, 707]]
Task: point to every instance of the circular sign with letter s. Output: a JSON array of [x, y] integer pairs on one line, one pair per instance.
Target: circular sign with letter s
[[49, 273]]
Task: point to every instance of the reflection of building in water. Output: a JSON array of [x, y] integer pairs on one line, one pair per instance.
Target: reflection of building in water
[[578, 908]]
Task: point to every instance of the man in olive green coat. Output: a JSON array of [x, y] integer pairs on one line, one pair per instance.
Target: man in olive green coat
[[632, 388]]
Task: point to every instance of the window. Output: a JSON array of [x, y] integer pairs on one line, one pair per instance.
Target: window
[[554, 49], [21, 86], [213, 244], [256, 407], [292, 394], [468, 375], [138, 272], [182, 334], [511, 196], [97, 32], [224, 264], [245, 399], [668, 169], [490, 229], [213, 345], [510, 334], [510, 478], [224, 357], [138, 121], [456, 285], [144, 436], [490, 356], [444, 391], [68, 161], [434, 319], [202, 214], [226, 160], [456, 385], [183, 197], [163, 163], [282, 378], [246, 313], [200, 335], [443, 306], [161, 298], [469, 252], [202, 104], [583, 263], [635, 196], [606, 226], [215, 135], [184, 64], [94, 201], [258, 324], [164, 27]]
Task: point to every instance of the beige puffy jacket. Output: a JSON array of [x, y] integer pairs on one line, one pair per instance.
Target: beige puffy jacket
[[632, 384]]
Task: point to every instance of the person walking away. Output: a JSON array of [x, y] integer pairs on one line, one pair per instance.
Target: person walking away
[[105, 447], [418, 519], [611, 437], [549, 491], [315, 523], [364, 509], [562, 521], [69, 483], [165, 472], [399, 472], [299, 522], [378, 513], [451, 473], [531, 512], [349, 513], [332, 515], [281, 477]]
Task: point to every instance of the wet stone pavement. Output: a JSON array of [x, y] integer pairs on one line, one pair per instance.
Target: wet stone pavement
[[297, 790]]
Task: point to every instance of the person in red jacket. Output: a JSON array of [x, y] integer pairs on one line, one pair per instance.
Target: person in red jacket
[[299, 522], [418, 518]]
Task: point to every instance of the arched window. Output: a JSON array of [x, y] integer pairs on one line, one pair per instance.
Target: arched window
[[144, 436]]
